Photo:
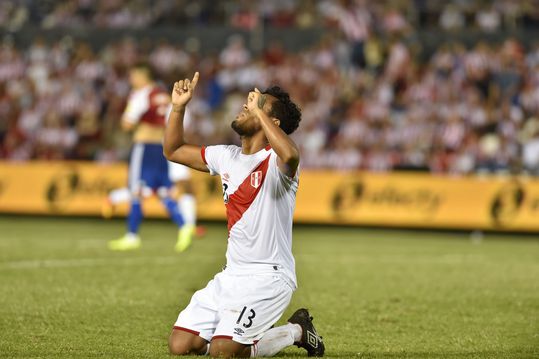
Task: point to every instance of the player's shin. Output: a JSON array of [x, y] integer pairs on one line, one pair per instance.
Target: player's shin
[[275, 340], [185, 230], [135, 217], [173, 211], [188, 208]]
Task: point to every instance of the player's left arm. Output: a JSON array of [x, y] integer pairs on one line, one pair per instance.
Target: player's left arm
[[286, 149], [136, 107]]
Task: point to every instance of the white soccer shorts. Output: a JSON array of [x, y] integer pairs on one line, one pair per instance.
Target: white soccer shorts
[[237, 307], [178, 172]]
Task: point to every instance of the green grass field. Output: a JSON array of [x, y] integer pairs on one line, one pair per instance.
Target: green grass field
[[374, 293]]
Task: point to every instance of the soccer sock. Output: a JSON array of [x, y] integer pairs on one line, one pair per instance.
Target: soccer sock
[[135, 216], [119, 195], [188, 207], [173, 211], [275, 340]]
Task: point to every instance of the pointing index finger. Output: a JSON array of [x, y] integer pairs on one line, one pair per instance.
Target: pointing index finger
[[195, 80]]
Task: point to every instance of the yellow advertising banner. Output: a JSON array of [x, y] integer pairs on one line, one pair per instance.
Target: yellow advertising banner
[[420, 200], [81, 188], [392, 199]]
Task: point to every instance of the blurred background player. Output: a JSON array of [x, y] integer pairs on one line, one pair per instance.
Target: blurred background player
[[182, 190], [145, 115]]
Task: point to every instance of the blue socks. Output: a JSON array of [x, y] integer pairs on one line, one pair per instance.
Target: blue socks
[[135, 214], [173, 211], [135, 217]]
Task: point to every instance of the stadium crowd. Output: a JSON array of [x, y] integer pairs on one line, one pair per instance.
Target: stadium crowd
[[368, 100], [446, 14]]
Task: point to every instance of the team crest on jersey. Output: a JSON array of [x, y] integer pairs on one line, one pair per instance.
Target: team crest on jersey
[[256, 179]]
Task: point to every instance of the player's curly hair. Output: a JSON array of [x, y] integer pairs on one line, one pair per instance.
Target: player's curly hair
[[286, 111]]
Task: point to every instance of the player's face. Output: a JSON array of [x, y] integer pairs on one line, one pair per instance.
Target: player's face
[[138, 78], [246, 124]]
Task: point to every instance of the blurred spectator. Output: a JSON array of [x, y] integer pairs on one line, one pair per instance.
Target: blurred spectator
[[452, 18], [235, 54], [531, 146], [488, 19]]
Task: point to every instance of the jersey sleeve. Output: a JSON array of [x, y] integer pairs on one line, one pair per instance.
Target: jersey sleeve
[[285, 182], [214, 158], [138, 105]]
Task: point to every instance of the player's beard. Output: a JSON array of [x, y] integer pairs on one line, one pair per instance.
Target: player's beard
[[243, 131]]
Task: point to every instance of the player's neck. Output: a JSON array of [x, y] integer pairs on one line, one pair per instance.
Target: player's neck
[[253, 144]]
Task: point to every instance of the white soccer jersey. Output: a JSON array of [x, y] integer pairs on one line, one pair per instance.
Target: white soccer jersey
[[137, 104], [150, 104], [260, 202]]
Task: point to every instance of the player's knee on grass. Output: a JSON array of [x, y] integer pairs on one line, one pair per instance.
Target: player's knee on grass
[[183, 343], [227, 348]]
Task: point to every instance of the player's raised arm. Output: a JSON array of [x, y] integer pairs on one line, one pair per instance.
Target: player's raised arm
[[285, 148], [174, 148]]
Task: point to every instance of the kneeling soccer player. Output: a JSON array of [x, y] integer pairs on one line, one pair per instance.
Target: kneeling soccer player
[[233, 316]]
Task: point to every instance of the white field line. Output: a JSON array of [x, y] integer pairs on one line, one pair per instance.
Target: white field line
[[88, 262], [169, 260]]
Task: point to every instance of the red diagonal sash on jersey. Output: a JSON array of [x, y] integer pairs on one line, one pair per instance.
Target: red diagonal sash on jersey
[[241, 199]]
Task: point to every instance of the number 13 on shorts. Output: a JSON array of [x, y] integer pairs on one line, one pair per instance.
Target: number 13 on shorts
[[246, 322]]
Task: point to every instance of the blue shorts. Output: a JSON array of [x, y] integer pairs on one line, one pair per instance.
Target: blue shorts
[[148, 167]]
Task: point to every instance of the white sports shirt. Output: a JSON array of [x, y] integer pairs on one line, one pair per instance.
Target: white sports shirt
[[260, 202]]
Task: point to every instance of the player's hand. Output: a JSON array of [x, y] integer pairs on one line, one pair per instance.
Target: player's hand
[[256, 100], [183, 91]]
